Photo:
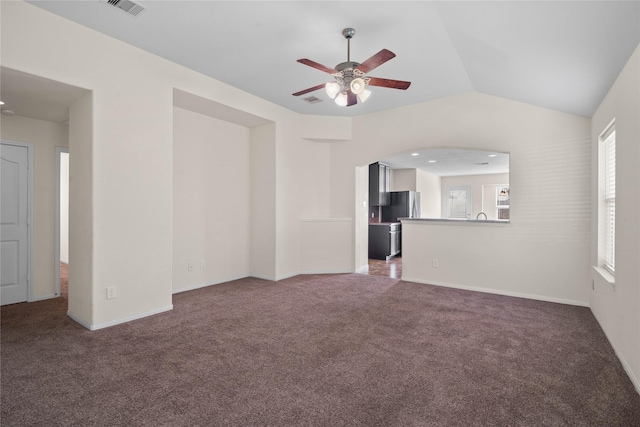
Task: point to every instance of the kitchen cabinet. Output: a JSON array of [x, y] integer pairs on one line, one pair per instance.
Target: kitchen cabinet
[[379, 183], [384, 240]]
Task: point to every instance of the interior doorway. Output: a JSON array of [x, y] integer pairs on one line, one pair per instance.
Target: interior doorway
[[61, 260], [16, 167], [365, 263]]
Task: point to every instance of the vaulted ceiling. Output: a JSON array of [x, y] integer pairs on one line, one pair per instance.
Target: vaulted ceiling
[[562, 55]]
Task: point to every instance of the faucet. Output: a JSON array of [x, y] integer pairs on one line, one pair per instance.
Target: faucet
[[481, 213]]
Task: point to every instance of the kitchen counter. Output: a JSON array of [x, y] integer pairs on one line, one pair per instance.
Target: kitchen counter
[[475, 221], [385, 223]]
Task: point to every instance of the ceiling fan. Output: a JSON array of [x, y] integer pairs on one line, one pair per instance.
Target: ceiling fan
[[351, 78]]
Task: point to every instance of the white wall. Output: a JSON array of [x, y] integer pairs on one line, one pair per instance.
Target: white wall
[[124, 173], [546, 148], [263, 202], [211, 200], [360, 233], [403, 180], [430, 188], [45, 137], [302, 169], [81, 208], [427, 184], [64, 207], [321, 246], [617, 307], [477, 182]]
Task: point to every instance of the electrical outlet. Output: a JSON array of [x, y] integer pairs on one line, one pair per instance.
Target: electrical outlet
[[435, 263], [203, 265], [111, 292], [190, 267]]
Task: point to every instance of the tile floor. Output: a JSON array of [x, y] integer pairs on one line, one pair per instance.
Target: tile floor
[[391, 268]]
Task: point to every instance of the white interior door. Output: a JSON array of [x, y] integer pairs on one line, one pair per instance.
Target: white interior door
[[14, 232]]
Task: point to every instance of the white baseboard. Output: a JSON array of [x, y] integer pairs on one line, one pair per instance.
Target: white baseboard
[[499, 292], [363, 269], [287, 276], [625, 365], [110, 323], [260, 276], [75, 319], [276, 278], [204, 285], [627, 368], [269, 278], [43, 297], [327, 272]]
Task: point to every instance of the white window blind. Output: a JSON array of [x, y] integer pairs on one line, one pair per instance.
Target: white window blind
[[458, 204], [502, 201], [610, 200]]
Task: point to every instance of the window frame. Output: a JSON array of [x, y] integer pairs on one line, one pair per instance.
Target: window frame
[[501, 207], [606, 198], [446, 206]]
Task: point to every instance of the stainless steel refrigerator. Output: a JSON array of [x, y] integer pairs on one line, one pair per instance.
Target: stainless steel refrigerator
[[402, 204]]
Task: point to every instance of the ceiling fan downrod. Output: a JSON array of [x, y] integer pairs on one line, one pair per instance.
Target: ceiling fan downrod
[[348, 34]]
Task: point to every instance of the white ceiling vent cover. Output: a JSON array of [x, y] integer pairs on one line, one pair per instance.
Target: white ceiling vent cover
[[127, 6], [312, 100]]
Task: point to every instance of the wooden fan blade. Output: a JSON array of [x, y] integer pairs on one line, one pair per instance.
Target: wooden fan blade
[[376, 60], [317, 66], [311, 89], [393, 84], [351, 98]]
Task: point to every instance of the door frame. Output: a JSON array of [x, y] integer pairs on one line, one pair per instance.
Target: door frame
[[59, 151], [30, 187]]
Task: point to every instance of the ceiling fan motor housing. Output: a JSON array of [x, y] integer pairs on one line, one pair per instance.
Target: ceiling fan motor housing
[[343, 66]]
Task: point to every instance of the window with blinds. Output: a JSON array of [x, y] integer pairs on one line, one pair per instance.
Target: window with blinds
[[608, 175], [458, 204]]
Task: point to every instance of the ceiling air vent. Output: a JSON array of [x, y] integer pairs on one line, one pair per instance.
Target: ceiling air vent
[[127, 6], [312, 100]]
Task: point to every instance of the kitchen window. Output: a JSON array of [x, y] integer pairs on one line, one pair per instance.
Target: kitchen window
[[607, 200], [457, 202], [502, 202]]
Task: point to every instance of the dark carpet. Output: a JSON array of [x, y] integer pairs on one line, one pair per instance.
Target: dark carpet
[[332, 350]]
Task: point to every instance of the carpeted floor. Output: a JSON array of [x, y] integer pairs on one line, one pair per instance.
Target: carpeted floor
[[333, 350]]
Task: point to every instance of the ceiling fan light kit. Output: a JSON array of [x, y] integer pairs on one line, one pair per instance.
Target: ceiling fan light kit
[[351, 81], [364, 95], [357, 85], [341, 99], [333, 89]]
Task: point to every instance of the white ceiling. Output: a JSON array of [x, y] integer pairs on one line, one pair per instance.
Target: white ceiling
[[32, 96], [562, 55], [452, 162]]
